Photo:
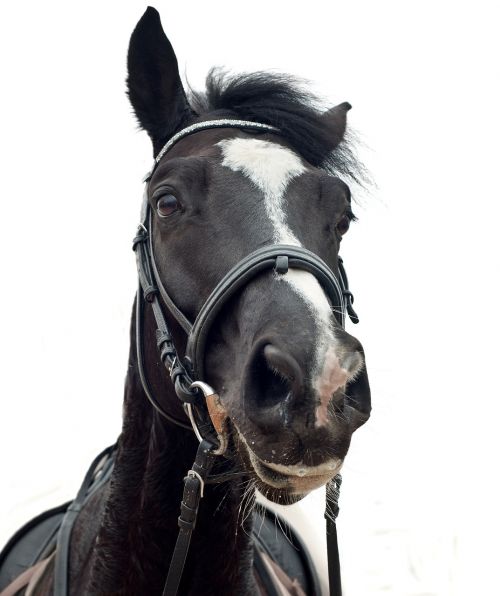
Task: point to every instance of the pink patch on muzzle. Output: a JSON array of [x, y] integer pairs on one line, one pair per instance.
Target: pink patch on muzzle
[[332, 378]]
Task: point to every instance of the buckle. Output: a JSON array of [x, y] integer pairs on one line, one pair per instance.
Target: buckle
[[194, 474]]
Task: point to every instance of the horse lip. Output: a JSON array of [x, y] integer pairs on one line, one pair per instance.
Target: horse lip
[[301, 470], [295, 483], [300, 478]]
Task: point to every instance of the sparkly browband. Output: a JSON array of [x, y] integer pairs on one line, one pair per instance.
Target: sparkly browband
[[208, 124]]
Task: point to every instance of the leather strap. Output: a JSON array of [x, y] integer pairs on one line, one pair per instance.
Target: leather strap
[[264, 574], [139, 338], [349, 298], [23, 580], [281, 258], [332, 547], [194, 484], [331, 513], [39, 575], [170, 304], [61, 568], [149, 287]]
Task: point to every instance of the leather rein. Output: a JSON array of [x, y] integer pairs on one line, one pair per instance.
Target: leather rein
[[200, 401]]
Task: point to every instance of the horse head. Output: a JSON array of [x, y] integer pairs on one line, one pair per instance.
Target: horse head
[[292, 382]]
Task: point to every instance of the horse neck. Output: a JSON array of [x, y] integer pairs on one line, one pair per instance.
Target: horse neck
[[139, 528]]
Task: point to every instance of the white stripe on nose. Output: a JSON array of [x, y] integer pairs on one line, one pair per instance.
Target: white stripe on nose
[[271, 167]]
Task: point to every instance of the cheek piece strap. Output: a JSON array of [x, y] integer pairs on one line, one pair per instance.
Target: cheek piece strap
[[202, 404]]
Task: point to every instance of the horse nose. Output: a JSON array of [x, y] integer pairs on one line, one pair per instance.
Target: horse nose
[[277, 388], [274, 383]]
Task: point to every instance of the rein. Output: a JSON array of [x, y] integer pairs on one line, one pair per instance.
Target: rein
[[200, 401]]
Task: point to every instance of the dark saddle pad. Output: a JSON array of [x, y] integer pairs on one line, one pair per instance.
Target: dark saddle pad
[[30, 544], [37, 539]]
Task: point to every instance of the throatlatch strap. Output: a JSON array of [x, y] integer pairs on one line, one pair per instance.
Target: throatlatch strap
[[194, 484]]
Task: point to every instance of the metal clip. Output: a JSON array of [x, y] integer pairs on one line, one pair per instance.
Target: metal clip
[[217, 414], [189, 410]]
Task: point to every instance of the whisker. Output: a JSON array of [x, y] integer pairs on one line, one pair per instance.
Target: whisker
[[222, 501], [247, 503], [285, 531]]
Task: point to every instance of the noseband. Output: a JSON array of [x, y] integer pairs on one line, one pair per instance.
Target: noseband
[[188, 373]]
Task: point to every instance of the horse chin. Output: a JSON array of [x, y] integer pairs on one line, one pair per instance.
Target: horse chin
[[285, 484], [278, 495]]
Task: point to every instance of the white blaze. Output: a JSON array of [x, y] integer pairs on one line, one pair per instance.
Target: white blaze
[[271, 167]]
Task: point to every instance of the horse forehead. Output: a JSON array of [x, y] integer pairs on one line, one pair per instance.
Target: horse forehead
[[268, 165]]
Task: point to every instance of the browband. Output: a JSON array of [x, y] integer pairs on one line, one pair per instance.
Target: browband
[[208, 125]]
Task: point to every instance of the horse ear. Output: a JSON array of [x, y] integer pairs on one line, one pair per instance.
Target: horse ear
[[335, 121], [154, 86]]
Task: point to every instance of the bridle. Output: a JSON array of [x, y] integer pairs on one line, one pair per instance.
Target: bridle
[[200, 401]]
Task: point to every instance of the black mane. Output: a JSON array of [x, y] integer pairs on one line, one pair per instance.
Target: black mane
[[282, 101]]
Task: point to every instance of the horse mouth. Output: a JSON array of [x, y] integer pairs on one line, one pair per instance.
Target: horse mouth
[[293, 481]]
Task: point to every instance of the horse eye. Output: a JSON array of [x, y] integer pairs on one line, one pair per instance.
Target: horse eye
[[166, 205], [343, 225]]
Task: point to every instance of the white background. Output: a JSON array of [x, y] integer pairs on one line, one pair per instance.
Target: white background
[[420, 498]]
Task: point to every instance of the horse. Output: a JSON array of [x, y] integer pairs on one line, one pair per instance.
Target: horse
[[241, 289]]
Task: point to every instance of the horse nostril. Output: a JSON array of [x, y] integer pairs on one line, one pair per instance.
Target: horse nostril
[[281, 364], [273, 377]]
